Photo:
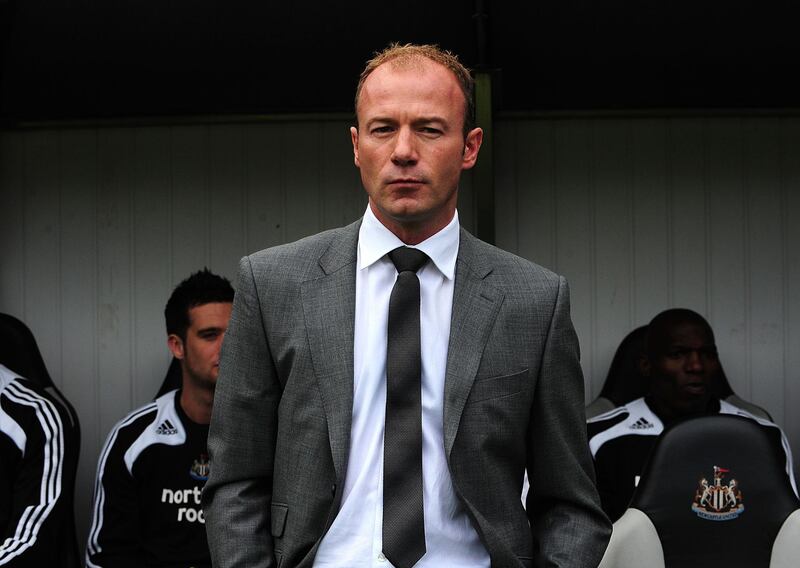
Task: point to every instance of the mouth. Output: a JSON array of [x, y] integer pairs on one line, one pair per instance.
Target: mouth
[[406, 181], [695, 388]]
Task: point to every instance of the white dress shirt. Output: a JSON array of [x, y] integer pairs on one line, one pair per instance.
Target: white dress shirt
[[355, 537]]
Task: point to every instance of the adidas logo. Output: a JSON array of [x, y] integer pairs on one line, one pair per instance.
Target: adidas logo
[[166, 429], [641, 424]]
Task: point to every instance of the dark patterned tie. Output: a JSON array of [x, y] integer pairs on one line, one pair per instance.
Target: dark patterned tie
[[403, 518]]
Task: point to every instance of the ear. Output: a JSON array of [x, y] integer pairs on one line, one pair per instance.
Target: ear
[[354, 139], [175, 345], [472, 145]]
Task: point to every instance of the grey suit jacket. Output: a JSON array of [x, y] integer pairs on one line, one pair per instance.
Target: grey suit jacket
[[280, 431]]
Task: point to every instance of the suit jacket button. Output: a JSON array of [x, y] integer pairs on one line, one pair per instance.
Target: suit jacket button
[[333, 490]]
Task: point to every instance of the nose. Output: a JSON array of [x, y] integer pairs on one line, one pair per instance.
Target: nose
[[404, 152], [218, 346], [694, 362]]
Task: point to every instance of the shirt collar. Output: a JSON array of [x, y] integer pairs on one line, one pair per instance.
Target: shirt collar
[[375, 241]]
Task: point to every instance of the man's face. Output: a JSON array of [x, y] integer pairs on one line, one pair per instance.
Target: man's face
[[200, 351], [684, 369], [410, 146]]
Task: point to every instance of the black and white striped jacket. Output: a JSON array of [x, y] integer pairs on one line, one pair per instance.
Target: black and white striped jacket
[[150, 478], [38, 460]]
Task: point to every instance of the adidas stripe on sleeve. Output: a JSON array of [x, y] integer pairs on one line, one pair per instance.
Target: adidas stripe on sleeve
[[32, 470], [114, 534]]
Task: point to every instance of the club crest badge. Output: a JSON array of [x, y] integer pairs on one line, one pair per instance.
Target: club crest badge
[[718, 501], [200, 469]]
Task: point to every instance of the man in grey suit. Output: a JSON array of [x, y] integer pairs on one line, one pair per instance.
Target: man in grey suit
[[310, 418]]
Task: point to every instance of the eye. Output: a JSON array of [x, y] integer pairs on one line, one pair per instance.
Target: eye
[[379, 130], [710, 354], [430, 131]]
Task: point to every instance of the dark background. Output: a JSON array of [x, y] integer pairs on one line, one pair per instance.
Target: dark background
[[134, 58]]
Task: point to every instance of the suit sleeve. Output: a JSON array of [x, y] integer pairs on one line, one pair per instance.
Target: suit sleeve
[[114, 534], [242, 437], [568, 527], [32, 478]]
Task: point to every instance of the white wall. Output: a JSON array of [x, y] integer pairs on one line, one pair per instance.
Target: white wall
[[646, 214], [97, 225]]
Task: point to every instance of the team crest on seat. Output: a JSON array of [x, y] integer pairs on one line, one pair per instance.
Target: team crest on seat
[[718, 501]]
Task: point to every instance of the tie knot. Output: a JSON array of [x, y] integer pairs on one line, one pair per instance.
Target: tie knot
[[405, 259]]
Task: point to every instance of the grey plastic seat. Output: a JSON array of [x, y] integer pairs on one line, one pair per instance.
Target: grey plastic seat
[[716, 491]]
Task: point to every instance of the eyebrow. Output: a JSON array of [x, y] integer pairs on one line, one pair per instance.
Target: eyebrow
[[205, 329], [686, 346], [421, 120]]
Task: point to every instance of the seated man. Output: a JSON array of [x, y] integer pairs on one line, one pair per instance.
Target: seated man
[[681, 361], [154, 465], [38, 459]]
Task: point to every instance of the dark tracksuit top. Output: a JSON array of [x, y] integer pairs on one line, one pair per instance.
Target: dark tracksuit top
[[150, 477], [38, 461]]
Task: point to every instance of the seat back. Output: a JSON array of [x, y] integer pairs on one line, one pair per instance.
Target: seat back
[[717, 492], [173, 379], [625, 382]]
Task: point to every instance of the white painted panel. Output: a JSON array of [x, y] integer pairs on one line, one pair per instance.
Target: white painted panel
[[688, 215], [612, 289], [575, 230], [765, 246], [727, 269], [301, 180], [343, 198], [12, 223], [535, 210], [78, 373], [790, 185], [189, 206], [115, 276], [42, 309], [506, 185], [226, 219], [650, 235], [468, 200], [264, 196], [151, 279]]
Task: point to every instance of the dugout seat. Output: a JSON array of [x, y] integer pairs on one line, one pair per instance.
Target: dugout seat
[[624, 381], [715, 492], [173, 379]]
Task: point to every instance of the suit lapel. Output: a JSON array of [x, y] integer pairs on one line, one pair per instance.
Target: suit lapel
[[475, 307], [329, 310]]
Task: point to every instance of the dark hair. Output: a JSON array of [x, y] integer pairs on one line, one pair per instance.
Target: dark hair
[[409, 53], [202, 287], [660, 327]]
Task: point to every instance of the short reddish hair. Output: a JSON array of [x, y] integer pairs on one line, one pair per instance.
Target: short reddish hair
[[410, 52]]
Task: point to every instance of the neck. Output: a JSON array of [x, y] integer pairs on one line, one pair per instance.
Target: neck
[[668, 414], [197, 402], [413, 232]]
